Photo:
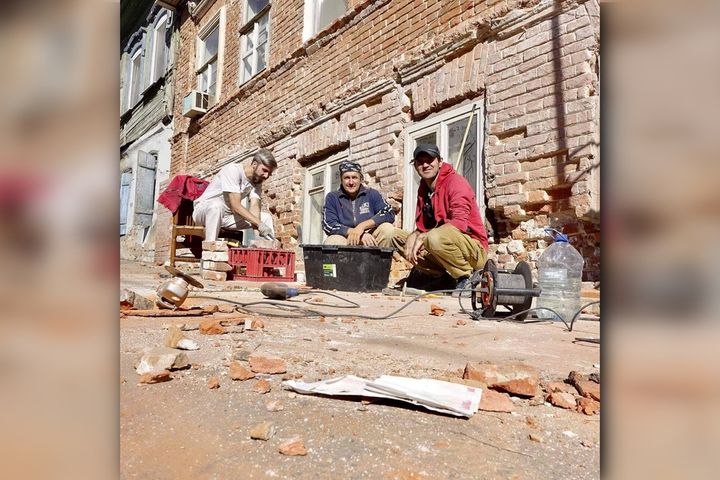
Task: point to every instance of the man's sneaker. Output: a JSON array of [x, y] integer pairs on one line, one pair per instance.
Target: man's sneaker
[[463, 283]]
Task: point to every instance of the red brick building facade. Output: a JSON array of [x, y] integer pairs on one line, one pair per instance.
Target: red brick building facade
[[381, 77]]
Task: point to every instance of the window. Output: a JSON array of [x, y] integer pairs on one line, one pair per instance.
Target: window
[[159, 49], [321, 13], [447, 132], [207, 73], [255, 37], [135, 78], [210, 54], [320, 179]]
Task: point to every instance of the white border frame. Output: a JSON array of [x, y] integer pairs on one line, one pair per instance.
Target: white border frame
[[308, 171]]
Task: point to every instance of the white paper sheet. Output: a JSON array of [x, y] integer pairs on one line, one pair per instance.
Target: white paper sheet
[[436, 395]]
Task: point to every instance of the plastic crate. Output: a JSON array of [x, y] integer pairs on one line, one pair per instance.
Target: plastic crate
[[262, 264]]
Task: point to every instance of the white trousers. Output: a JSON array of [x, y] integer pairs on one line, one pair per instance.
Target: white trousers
[[214, 214]]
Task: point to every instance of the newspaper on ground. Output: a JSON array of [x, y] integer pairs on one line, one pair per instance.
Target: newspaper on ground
[[436, 395]]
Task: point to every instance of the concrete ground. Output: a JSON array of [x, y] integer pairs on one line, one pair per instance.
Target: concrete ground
[[183, 429]]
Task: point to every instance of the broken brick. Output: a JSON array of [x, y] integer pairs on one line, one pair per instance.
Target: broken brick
[[211, 327], [589, 389], [562, 400], [293, 446], [263, 363], [261, 386], [150, 377], [238, 372], [588, 406], [515, 377]]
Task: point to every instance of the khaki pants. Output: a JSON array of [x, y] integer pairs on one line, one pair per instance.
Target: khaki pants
[[383, 234], [446, 249]]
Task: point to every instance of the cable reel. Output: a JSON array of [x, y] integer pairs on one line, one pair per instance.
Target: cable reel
[[492, 287]]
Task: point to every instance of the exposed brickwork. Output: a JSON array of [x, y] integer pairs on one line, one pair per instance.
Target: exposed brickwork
[[358, 84]]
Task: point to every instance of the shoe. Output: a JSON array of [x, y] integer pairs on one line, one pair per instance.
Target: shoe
[[463, 283], [444, 282]]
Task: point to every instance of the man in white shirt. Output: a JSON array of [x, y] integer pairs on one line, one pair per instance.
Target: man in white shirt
[[220, 205]]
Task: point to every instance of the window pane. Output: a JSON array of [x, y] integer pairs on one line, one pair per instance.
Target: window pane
[[329, 11], [253, 7], [335, 176], [212, 74], [135, 85], [261, 57], [317, 200], [211, 45], [247, 68], [160, 50], [202, 80], [469, 163], [263, 32], [318, 179]]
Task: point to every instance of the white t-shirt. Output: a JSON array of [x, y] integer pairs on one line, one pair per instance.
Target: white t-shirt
[[231, 178]]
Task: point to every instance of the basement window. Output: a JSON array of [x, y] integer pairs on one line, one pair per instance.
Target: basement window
[[320, 179], [446, 131], [319, 14], [255, 38]]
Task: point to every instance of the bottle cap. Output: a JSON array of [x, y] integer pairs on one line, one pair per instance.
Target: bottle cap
[[556, 235]]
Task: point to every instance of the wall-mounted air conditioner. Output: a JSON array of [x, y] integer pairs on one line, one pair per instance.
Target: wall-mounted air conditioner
[[197, 103]]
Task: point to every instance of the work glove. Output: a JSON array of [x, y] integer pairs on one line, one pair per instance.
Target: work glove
[[265, 231]]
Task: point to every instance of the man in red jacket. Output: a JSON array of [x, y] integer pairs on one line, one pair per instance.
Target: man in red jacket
[[449, 232]]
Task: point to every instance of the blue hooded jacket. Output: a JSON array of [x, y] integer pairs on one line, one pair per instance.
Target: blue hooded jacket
[[341, 214]]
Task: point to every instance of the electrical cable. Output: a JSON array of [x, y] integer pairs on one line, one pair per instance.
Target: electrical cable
[[315, 313], [308, 313]]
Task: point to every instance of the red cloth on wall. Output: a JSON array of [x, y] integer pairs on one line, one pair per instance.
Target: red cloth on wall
[[182, 186]]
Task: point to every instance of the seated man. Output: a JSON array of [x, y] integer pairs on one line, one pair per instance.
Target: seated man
[[356, 215], [449, 232], [220, 207]]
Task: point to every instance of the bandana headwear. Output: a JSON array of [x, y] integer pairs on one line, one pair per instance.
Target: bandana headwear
[[348, 166]]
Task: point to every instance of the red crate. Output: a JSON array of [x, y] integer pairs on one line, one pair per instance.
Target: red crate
[[262, 264]]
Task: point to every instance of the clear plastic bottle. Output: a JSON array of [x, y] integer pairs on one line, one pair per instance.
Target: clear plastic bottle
[[560, 278]]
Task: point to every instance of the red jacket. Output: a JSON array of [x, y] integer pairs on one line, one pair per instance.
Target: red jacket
[[182, 186], [453, 202]]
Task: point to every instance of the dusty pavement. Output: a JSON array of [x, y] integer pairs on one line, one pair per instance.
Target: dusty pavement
[[183, 429]]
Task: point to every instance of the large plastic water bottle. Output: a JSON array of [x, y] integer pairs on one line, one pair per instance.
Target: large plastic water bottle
[[560, 278]]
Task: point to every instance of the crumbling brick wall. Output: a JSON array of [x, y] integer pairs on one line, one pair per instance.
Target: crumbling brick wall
[[358, 84]]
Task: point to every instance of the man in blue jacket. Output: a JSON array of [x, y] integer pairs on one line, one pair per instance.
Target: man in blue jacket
[[355, 214]]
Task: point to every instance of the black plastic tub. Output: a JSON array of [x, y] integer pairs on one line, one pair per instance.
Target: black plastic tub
[[346, 268]]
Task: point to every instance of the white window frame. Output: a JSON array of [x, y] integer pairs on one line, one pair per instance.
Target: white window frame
[[311, 18], [162, 23], [217, 21], [439, 125], [251, 29], [132, 92], [326, 167]]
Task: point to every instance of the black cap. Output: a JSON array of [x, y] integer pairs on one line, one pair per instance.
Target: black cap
[[428, 148]]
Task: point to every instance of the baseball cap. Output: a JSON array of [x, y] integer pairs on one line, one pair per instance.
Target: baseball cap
[[428, 148]]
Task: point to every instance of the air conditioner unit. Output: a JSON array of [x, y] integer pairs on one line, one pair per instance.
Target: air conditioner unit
[[197, 103]]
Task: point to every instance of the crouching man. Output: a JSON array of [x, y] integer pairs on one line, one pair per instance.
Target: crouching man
[[220, 205], [355, 214], [449, 233]]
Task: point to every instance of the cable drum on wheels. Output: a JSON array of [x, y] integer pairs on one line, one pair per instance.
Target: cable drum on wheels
[[511, 288]]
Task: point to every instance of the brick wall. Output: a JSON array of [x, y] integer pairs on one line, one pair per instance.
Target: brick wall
[[383, 64]]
